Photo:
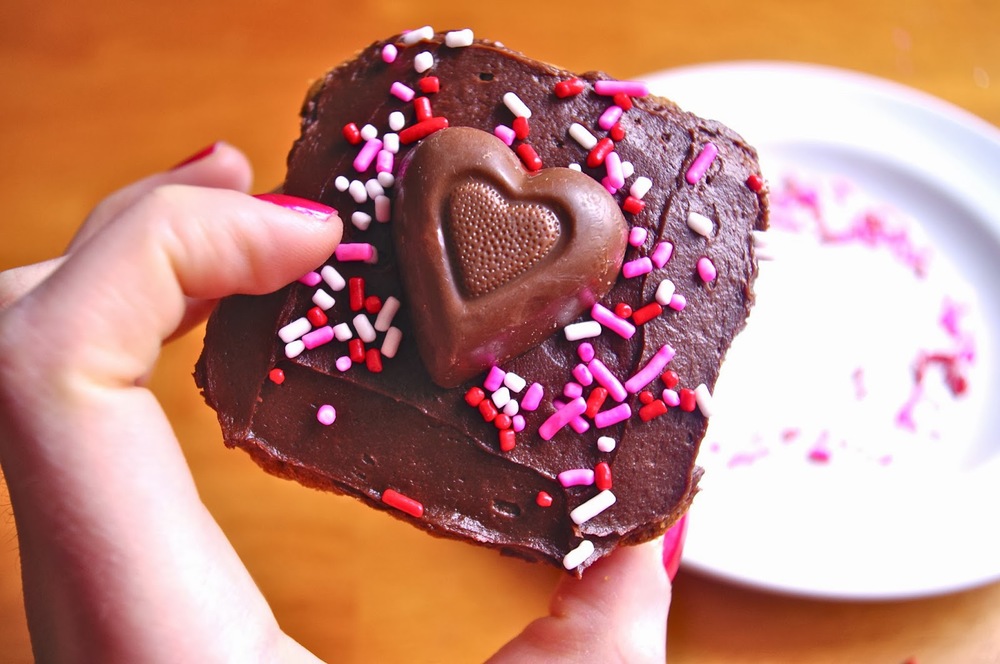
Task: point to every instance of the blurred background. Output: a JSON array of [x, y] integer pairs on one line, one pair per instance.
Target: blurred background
[[94, 95]]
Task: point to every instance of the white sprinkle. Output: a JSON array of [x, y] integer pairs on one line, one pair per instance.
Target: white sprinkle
[[584, 330], [582, 135], [514, 382], [588, 510], [294, 349], [294, 330], [393, 337], [357, 191], [322, 299], [606, 444], [361, 220], [342, 332], [368, 132], [423, 61], [341, 183], [628, 169], [579, 555], [333, 278], [383, 208], [700, 224], [390, 143], [575, 167], [373, 189], [411, 37], [386, 179], [387, 313], [640, 187], [501, 397], [397, 120], [516, 106], [343, 363], [703, 398], [364, 327], [664, 291], [511, 408], [459, 38]]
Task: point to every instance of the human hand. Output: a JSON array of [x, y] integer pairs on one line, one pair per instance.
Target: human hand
[[120, 559]]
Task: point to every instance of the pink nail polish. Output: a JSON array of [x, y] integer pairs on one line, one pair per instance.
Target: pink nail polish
[[673, 546], [302, 205], [197, 156]]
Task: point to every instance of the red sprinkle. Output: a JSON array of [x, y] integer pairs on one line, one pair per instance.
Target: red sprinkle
[[356, 293], [569, 88], [617, 132], [521, 128], [647, 313], [670, 379], [603, 148], [623, 100], [422, 129], [502, 421], [422, 109], [633, 205], [656, 408], [646, 397], [530, 158], [373, 304], [507, 441], [474, 396], [277, 376], [352, 133], [402, 503], [317, 317], [488, 410], [602, 476], [373, 360], [429, 84], [688, 402], [595, 400], [356, 350], [623, 310], [755, 182], [543, 499]]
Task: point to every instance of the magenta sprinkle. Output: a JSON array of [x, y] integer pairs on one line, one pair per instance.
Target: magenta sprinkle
[[505, 134], [572, 390], [517, 423], [701, 163], [579, 425], [384, 162], [677, 302], [637, 236], [310, 279], [616, 176], [326, 415], [532, 397], [583, 375], [585, 351], [651, 371], [609, 117], [671, 398], [608, 319], [607, 380], [367, 155], [355, 251], [706, 269], [576, 477], [630, 88], [318, 337], [662, 253], [494, 379], [389, 53], [607, 184], [637, 267], [402, 92], [619, 413], [561, 418]]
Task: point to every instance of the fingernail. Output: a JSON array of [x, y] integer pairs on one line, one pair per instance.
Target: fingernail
[[197, 156], [673, 546], [302, 205]]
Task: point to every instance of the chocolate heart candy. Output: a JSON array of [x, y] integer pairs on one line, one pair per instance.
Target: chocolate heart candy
[[492, 260], [572, 446]]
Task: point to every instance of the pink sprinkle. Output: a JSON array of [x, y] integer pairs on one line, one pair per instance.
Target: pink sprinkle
[[344, 362], [609, 117], [389, 53], [608, 319], [572, 390], [402, 92], [630, 88], [577, 424], [585, 351], [677, 302], [583, 375], [505, 134], [561, 418], [609, 185], [576, 477], [819, 455], [384, 162], [651, 371], [616, 176], [367, 155], [706, 269], [607, 380], [532, 397], [671, 398], [494, 379], [355, 251], [619, 413], [701, 163], [517, 423], [637, 236], [318, 337], [310, 279], [662, 253], [326, 415], [637, 267]]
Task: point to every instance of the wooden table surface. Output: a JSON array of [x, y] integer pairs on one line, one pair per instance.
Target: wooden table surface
[[95, 94]]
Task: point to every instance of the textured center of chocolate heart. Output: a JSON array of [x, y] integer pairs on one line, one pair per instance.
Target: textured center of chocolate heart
[[494, 240]]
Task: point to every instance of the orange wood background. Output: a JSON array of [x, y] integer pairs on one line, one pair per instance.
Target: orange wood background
[[96, 94]]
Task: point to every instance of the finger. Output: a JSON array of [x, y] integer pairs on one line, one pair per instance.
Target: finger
[[218, 166], [616, 613], [17, 282]]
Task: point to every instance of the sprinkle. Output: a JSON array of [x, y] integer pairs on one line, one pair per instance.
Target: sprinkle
[[341, 183], [609, 185], [605, 317], [521, 128], [637, 267], [294, 349], [516, 106], [507, 439], [561, 418], [704, 399], [373, 304], [664, 292], [646, 313], [572, 390], [505, 134], [582, 375], [384, 178], [607, 380], [701, 163], [579, 555], [637, 236], [373, 188], [402, 91], [628, 168], [361, 220], [512, 408], [494, 379], [613, 163], [595, 400], [530, 158], [662, 253], [294, 330], [688, 400], [569, 88], [671, 398], [612, 88], [343, 363], [317, 317], [384, 163], [599, 152], [677, 302], [609, 117], [518, 423], [576, 477], [706, 269], [422, 109], [575, 167], [332, 278], [387, 313], [429, 85], [513, 382], [670, 378], [607, 418], [397, 120], [326, 414], [357, 191], [588, 510], [356, 349], [390, 345], [390, 142], [459, 38], [755, 183], [318, 337], [474, 396], [500, 397], [323, 300], [533, 397], [277, 376], [652, 410], [606, 444], [623, 100], [383, 209], [356, 293], [583, 330], [411, 37], [640, 187], [368, 132], [342, 332], [310, 278], [582, 135], [585, 351], [700, 224], [654, 367], [423, 129], [351, 133], [488, 411], [373, 360], [423, 61], [364, 328], [367, 155], [602, 476], [617, 132], [402, 503], [356, 251], [389, 53], [543, 499]]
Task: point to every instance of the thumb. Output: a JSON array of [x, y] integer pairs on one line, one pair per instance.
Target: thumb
[[616, 613]]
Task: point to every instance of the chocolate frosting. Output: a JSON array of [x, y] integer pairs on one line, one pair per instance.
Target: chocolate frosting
[[404, 420]]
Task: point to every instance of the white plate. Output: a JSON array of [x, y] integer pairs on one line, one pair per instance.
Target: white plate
[[852, 527]]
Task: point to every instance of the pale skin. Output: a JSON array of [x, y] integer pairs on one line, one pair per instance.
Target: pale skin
[[115, 571]]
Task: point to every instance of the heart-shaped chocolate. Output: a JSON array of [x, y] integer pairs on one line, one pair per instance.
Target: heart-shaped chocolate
[[494, 260]]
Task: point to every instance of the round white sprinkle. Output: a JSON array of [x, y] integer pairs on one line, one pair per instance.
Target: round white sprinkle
[[294, 349], [390, 143], [703, 398], [294, 330], [390, 344], [459, 38], [341, 183], [387, 313], [413, 36], [357, 191], [583, 330], [576, 167], [640, 187], [501, 397], [322, 299], [364, 327], [383, 208], [511, 408], [514, 382], [700, 224], [628, 169], [588, 510], [606, 444], [579, 555], [373, 188], [423, 61], [386, 179], [342, 332], [368, 132], [333, 279], [361, 220], [397, 120], [516, 106], [664, 292], [582, 135]]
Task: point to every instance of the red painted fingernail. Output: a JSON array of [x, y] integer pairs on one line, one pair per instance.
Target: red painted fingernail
[[197, 156], [673, 546], [301, 205]]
